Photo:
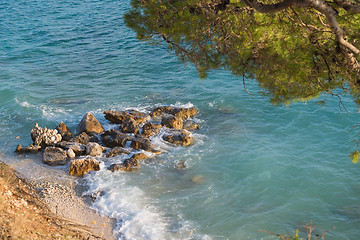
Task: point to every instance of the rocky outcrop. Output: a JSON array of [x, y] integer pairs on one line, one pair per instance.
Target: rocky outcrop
[[55, 156], [190, 125], [117, 151], [182, 113], [78, 148], [90, 125], [44, 137], [181, 138], [115, 138], [172, 122], [64, 131], [149, 129], [144, 144], [127, 165], [81, 166], [30, 149], [94, 149]]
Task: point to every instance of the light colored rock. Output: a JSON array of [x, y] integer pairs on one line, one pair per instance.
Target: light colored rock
[[90, 124], [94, 149], [81, 166], [70, 153], [44, 137]]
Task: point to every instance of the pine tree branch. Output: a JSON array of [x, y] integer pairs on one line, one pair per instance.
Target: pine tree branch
[[277, 7], [348, 5]]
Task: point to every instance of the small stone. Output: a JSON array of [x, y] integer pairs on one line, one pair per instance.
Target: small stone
[[198, 179], [70, 153]]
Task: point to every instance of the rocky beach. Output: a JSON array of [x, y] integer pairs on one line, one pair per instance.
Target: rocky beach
[[130, 135]]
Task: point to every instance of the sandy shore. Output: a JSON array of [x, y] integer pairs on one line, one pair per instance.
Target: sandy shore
[[59, 192]]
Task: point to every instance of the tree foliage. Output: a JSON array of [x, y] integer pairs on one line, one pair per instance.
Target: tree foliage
[[295, 49]]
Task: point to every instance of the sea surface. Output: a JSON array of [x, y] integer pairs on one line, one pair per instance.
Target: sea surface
[[253, 166]]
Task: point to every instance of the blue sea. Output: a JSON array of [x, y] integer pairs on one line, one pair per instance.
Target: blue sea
[[253, 166]]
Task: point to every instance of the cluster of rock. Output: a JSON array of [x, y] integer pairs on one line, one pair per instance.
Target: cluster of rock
[[60, 145]]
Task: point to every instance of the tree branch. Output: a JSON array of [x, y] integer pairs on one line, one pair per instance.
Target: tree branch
[[348, 5], [331, 14], [273, 8]]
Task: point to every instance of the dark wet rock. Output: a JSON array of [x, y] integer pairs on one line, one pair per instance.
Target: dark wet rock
[[94, 149], [81, 166], [158, 111], [64, 131], [90, 124], [119, 117], [181, 138], [127, 165], [139, 156], [117, 151], [78, 148], [172, 122], [54, 156], [44, 137], [30, 149], [83, 138], [182, 113], [190, 125], [149, 129], [144, 144], [130, 126], [115, 138]]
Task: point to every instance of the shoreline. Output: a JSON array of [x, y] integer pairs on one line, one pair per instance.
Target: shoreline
[[59, 199]]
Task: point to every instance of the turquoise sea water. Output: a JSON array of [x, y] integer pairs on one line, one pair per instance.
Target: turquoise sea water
[[257, 166]]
